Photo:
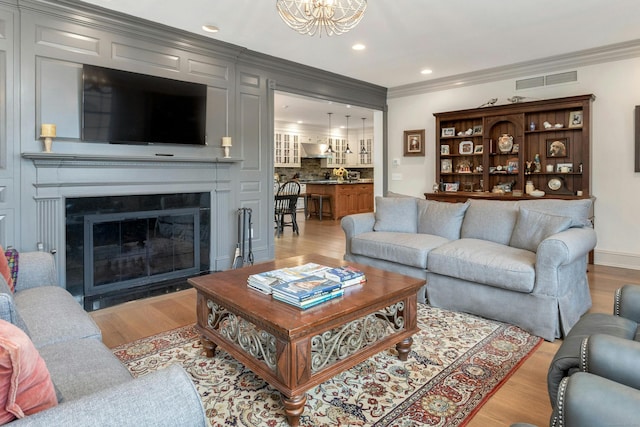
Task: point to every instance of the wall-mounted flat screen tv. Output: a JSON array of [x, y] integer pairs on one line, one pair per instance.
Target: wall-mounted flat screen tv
[[122, 107]]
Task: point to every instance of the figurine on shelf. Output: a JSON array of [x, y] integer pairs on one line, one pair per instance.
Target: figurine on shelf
[[530, 167], [536, 160]]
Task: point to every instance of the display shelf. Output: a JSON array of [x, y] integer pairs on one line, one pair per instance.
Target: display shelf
[[553, 147]]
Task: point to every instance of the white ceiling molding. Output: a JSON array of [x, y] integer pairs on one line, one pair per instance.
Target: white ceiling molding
[[614, 52]]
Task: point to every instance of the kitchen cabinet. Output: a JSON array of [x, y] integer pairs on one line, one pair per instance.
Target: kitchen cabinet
[[346, 198], [286, 149], [356, 159]]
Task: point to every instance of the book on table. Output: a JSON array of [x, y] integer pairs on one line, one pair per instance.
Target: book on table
[[265, 281], [347, 275], [305, 288], [309, 302]]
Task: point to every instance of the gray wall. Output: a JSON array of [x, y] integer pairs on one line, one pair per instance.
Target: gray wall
[[43, 45]]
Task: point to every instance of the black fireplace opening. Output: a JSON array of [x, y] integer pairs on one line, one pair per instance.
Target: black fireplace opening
[[121, 248]]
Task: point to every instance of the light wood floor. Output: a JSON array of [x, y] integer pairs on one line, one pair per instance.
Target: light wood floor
[[522, 398]]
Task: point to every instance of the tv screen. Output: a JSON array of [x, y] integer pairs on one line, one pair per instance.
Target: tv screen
[[131, 108]]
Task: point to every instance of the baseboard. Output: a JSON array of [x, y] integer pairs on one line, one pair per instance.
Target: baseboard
[[617, 259]]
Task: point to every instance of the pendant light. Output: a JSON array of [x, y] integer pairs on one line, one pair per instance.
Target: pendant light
[[363, 149], [347, 150], [329, 150]]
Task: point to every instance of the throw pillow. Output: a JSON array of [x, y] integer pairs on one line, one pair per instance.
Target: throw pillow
[[13, 256], [399, 214], [5, 271], [533, 227], [25, 383], [441, 218]]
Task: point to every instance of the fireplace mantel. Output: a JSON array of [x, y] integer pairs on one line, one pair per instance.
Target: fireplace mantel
[[42, 158]]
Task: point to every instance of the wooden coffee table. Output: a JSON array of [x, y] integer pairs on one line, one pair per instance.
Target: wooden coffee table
[[295, 350]]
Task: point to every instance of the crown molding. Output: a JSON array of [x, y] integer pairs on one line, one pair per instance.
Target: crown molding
[[609, 53]]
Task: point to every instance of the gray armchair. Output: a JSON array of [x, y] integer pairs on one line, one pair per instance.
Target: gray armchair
[[607, 390], [623, 323]]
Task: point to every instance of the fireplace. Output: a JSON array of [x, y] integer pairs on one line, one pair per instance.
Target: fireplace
[[123, 247]]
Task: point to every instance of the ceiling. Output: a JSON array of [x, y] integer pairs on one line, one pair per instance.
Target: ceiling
[[403, 37]]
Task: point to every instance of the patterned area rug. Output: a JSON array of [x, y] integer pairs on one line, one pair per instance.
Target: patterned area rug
[[456, 363]]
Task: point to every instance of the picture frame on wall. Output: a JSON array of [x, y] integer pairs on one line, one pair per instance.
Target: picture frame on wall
[[414, 142]]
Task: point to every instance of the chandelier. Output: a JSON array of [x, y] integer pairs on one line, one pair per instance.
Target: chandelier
[[314, 16]]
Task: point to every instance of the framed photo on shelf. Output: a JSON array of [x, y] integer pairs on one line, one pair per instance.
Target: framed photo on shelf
[[564, 167], [465, 147], [448, 132], [575, 119], [451, 186], [478, 149], [444, 150], [414, 142], [515, 149], [446, 166], [477, 130], [558, 147]]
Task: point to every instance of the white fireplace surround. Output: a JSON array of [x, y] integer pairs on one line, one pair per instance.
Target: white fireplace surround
[[61, 176]]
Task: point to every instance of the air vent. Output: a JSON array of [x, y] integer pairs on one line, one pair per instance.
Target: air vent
[[554, 79], [551, 79], [529, 83]]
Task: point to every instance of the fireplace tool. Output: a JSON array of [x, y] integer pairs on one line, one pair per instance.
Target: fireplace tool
[[244, 253]]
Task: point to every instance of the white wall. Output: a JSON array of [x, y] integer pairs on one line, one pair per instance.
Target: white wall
[[614, 183]]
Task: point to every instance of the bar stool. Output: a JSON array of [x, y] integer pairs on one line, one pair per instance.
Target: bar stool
[[319, 201]]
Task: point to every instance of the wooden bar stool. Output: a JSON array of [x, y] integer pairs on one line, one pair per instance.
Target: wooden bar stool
[[319, 202]]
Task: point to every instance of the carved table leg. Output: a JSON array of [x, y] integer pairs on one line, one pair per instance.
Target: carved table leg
[[293, 408], [403, 348], [209, 346]]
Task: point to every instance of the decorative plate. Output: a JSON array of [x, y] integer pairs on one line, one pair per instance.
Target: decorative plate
[[554, 184], [505, 143]]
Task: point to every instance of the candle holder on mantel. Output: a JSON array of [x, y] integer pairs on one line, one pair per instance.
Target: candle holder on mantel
[[48, 132], [226, 145]]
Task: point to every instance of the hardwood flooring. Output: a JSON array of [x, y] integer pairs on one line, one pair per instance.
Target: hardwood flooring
[[522, 398]]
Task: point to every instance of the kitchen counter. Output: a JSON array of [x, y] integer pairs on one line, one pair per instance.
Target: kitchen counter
[[346, 197]]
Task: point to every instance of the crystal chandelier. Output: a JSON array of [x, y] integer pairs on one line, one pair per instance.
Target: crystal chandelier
[[314, 16]]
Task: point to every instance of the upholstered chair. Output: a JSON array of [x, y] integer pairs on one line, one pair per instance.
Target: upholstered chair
[[623, 323]]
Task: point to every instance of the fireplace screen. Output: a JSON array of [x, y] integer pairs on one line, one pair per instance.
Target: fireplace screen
[[123, 250]]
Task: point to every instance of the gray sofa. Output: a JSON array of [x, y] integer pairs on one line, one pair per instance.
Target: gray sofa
[[92, 386], [520, 262]]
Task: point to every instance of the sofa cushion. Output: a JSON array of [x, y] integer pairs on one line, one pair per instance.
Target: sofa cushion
[[532, 227], [490, 220], [441, 218], [82, 367], [578, 210], [25, 384], [52, 314], [410, 249], [485, 262], [396, 214]]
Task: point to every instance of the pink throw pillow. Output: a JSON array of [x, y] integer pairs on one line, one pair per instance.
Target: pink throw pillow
[[25, 383], [5, 270]]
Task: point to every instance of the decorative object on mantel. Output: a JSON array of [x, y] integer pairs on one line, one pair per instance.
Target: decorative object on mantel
[[490, 102], [226, 145], [315, 16], [48, 132]]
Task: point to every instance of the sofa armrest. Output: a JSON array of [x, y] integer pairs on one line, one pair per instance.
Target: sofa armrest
[[565, 247], [627, 302], [356, 224], [589, 400], [162, 398], [613, 358], [36, 269]]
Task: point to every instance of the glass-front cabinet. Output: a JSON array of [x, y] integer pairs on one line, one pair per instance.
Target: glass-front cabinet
[[287, 150]]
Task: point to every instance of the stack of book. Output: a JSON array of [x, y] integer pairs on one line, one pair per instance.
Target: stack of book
[[307, 292], [346, 275], [264, 282]]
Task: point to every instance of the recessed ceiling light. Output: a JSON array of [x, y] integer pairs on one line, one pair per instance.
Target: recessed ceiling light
[[426, 71], [210, 28], [358, 46], [300, 122]]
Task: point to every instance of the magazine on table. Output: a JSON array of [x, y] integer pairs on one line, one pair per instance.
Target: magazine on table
[[310, 302], [306, 287], [265, 281], [347, 275]]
